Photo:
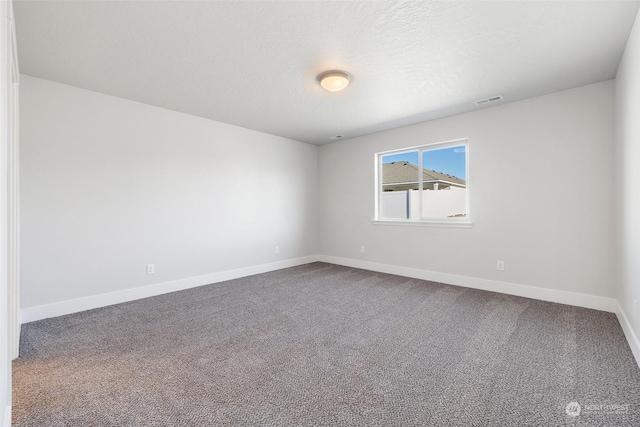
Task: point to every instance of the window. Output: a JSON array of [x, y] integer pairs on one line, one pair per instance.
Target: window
[[426, 185]]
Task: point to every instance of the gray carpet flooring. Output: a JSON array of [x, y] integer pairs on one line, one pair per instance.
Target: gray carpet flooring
[[325, 345]]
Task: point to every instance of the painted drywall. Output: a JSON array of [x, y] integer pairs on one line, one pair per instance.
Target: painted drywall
[[541, 195], [627, 184], [5, 360], [9, 205], [110, 185], [410, 60]]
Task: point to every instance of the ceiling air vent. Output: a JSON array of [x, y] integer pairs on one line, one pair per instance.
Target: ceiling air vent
[[334, 137], [489, 100]]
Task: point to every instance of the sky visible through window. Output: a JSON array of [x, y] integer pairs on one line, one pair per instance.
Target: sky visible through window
[[450, 160]]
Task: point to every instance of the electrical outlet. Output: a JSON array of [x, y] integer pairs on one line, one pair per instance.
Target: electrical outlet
[[500, 266], [277, 250], [151, 269], [362, 249]]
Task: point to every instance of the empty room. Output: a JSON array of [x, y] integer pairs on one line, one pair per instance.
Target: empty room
[[304, 213]]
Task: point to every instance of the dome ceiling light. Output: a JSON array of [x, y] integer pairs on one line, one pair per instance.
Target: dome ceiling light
[[334, 81]]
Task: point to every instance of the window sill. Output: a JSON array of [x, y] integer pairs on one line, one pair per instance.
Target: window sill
[[417, 223]]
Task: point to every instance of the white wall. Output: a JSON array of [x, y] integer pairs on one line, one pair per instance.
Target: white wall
[[627, 179], [5, 360], [110, 185], [541, 195], [9, 203]]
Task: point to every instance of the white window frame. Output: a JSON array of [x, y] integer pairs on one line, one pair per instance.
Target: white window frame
[[464, 222]]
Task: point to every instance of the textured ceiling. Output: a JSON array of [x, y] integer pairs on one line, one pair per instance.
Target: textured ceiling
[[254, 63]]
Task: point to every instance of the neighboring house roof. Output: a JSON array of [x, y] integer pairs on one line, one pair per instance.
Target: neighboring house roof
[[405, 172]]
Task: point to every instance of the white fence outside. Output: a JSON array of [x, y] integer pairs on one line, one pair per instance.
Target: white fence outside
[[435, 203]]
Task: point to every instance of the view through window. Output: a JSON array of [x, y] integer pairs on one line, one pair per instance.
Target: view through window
[[427, 183]]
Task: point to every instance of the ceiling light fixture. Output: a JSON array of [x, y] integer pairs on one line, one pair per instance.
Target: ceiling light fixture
[[334, 81]]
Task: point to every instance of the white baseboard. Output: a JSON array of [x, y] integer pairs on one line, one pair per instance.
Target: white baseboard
[[544, 294], [632, 338], [31, 314], [7, 417]]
